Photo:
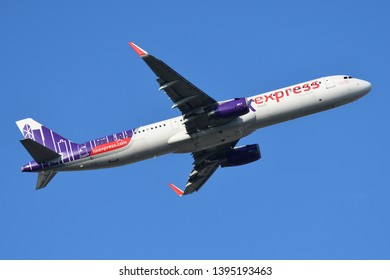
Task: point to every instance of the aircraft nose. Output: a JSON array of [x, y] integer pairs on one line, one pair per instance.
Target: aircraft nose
[[365, 87]]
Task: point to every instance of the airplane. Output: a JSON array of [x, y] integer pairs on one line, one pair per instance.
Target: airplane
[[207, 128]]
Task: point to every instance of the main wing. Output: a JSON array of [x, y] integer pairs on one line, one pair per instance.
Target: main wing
[[190, 100], [194, 105], [205, 164]]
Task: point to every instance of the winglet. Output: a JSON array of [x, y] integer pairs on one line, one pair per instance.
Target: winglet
[[137, 49], [178, 191]]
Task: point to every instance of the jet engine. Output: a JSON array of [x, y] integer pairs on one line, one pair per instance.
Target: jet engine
[[241, 155], [229, 109]]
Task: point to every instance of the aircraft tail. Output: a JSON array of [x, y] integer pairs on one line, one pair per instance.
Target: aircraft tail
[[45, 146], [31, 129]]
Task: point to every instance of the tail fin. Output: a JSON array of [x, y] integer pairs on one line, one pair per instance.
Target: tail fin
[[31, 129], [45, 146]]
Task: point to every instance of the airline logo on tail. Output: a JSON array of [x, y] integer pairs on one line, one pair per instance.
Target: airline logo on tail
[[46, 137], [49, 149], [67, 149]]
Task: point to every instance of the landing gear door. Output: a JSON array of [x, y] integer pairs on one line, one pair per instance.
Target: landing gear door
[[329, 82]]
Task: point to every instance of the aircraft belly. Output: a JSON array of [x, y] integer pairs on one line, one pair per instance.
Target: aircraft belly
[[240, 127], [153, 149], [97, 162], [218, 136], [138, 151]]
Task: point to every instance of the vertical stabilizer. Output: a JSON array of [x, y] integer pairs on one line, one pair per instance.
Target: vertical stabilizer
[[31, 129]]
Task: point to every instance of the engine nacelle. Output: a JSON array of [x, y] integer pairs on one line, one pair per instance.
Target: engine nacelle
[[241, 155], [230, 109]]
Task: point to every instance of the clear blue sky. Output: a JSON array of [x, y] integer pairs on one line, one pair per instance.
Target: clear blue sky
[[321, 190]]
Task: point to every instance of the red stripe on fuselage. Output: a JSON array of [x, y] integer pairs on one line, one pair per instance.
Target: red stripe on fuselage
[[111, 146]]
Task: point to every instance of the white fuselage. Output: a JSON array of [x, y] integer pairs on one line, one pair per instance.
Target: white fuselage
[[170, 136]]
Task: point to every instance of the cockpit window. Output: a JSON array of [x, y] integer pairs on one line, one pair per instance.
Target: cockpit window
[[347, 77]]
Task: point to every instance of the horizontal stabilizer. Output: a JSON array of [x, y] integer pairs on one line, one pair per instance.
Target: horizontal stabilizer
[[39, 152], [44, 177]]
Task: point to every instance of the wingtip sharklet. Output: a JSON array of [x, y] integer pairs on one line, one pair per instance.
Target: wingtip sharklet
[[137, 49], [178, 191]]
